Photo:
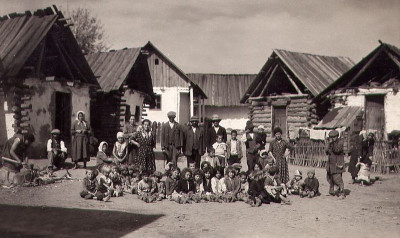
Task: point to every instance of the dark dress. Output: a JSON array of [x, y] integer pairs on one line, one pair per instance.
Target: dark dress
[[278, 150], [145, 160], [80, 142], [20, 151], [129, 132], [355, 154]]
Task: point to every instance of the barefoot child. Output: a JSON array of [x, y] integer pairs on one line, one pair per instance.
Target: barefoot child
[[216, 180], [310, 185], [116, 180], [257, 192], [295, 184], [231, 185], [160, 185], [185, 188], [243, 194], [173, 176], [90, 186], [146, 188], [275, 188], [105, 183]]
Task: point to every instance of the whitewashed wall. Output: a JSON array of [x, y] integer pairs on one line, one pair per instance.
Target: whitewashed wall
[[232, 117]]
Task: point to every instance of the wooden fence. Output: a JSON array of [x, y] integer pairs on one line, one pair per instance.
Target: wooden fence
[[386, 158]]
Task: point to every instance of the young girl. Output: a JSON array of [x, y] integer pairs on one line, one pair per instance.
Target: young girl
[[105, 184], [210, 158], [90, 186], [257, 167], [275, 188], [295, 184], [185, 188], [231, 185], [310, 185], [160, 185], [120, 149], [101, 157], [207, 185], [171, 182], [363, 175], [221, 150], [135, 179], [146, 188], [204, 165], [243, 194], [117, 181], [216, 180], [198, 182]]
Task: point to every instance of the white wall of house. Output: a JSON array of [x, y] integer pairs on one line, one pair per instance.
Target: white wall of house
[[169, 102], [232, 117], [133, 99]]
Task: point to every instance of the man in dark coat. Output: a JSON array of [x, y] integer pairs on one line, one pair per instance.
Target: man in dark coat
[[216, 129], [171, 138], [193, 142], [335, 163], [251, 145]]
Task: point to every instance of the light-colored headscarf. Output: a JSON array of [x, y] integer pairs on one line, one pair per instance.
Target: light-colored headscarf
[[101, 146], [120, 134], [77, 118]]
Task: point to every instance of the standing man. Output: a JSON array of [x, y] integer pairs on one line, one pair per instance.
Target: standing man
[[251, 145], [216, 129], [193, 142], [335, 164], [171, 138], [261, 137]]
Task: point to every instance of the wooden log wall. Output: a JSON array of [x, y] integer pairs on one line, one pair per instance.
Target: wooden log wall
[[21, 108], [300, 112]]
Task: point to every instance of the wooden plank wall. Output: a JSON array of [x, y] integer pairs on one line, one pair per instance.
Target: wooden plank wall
[[163, 75]]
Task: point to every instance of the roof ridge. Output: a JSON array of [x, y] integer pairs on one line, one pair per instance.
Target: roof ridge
[[305, 53]]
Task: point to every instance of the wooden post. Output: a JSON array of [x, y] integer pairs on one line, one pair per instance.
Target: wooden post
[[191, 101]]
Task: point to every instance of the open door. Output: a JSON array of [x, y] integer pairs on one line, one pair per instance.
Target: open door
[[279, 119], [63, 115], [375, 112]]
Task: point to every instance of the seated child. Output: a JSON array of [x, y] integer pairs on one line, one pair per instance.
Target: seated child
[[192, 166], [90, 186], [221, 150], [294, 186], [160, 185], [105, 183], [311, 185], [231, 185], [216, 184], [364, 176], [173, 176], [134, 179], [275, 188], [257, 167], [206, 186], [117, 181], [211, 158], [125, 177], [146, 188], [237, 167], [120, 150], [262, 157], [185, 188], [204, 165], [56, 151], [198, 182], [101, 157], [243, 194], [257, 192]]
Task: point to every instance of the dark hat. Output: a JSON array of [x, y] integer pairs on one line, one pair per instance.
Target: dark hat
[[171, 114], [215, 117], [194, 118], [55, 131], [249, 125], [333, 133], [277, 129]]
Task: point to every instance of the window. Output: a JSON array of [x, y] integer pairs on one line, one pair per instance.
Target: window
[[156, 61], [157, 104]]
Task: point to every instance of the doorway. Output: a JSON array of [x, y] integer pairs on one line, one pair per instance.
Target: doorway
[[63, 115], [279, 118], [375, 112], [184, 108]]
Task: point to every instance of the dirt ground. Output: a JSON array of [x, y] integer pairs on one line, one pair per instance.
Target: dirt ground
[[372, 211]]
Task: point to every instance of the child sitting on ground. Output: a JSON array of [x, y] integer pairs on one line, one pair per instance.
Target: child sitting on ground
[[275, 188], [198, 182], [363, 175], [204, 165], [216, 183], [173, 176], [146, 188], [243, 194], [105, 183], [185, 188], [120, 150], [134, 180], [211, 158], [311, 185], [206, 186], [90, 186], [295, 184], [117, 181], [221, 150], [231, 185], [257, 192], [160, 185]]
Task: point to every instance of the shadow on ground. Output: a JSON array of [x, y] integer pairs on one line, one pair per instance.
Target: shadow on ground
[[24, 221]]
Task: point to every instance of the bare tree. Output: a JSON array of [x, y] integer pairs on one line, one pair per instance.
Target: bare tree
[[88, 31]]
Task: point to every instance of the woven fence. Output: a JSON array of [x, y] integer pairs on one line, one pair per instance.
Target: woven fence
[[309, 153], [386, 158]]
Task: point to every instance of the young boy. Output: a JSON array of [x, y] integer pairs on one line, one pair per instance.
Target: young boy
[[56, 151], [234, 150], [231, 185], [275, 188], [311, 185], [160, 185], [211, 158], [243, 194], [257, 192], [173, 176], [295, 184], [220, 148], [90, 186], [146, 188], [105, 186]]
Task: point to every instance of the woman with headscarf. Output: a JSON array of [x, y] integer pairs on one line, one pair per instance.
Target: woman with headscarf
[[80, 140], [101, 157], [145, 159], [278, 150]]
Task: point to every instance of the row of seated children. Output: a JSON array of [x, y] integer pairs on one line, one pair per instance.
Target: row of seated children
[[307, 188]]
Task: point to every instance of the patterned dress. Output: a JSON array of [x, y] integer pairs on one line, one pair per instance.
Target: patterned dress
[[277, 148], [145, 160]]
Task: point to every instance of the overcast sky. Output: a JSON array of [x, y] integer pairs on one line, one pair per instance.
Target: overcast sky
[[237, 36]]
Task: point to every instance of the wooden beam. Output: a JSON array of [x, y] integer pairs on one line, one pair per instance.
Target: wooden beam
[[292, 81], [269, 80], [63, 58], [395, 60], [42, 52], [260, 83]]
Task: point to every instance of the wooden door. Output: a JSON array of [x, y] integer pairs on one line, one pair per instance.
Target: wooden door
[[279, 119], [63, 115], [184, 108], [375, 112]]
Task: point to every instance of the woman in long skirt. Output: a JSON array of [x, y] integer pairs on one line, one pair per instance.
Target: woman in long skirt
[[80, 140], [277, 150], [130, 131], [145, 160]]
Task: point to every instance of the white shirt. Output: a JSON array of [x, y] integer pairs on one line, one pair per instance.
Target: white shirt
[[194, 129], [234, 147], [171, 124], [216, 129], [62, 145]]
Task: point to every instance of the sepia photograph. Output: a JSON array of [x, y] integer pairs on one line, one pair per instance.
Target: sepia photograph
[[183, 118]]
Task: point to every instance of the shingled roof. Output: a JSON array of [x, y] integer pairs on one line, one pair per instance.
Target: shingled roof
[[312, 72], [20, 35], [223, 89]]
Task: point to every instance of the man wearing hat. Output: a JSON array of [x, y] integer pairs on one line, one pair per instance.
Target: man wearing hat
[[261, 137], [171, 138], [216, 129], [193, 142], [335, 163], [56, 151], [251, 145]]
